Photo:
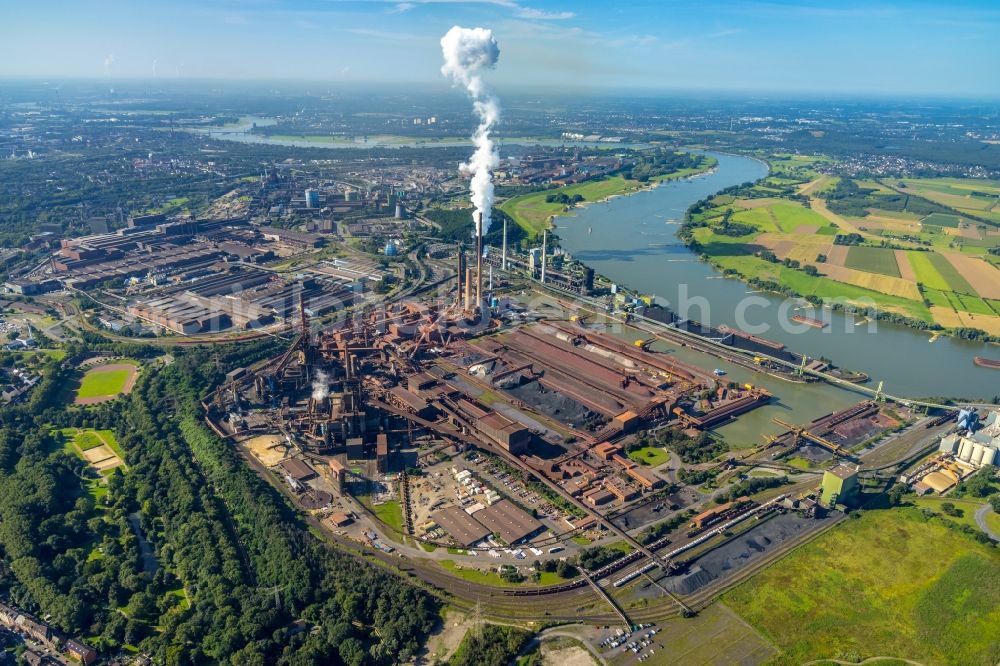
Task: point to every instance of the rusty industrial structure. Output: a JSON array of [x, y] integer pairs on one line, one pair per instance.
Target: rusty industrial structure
[[404, 372]]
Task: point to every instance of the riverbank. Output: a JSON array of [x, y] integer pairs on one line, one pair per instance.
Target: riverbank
[[633, 241], [774, 238], [533, 213]]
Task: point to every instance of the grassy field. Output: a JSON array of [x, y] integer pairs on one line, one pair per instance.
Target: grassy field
[[805, 285], [942, 220], [967, 507], [891, 583], [926, 271], [474, 575], [790, 216], [533, 213], [973, 304], [715, 635], [654, 456], [96, 384], [993, 521], [88, 438], [873, 260], [390, 513]]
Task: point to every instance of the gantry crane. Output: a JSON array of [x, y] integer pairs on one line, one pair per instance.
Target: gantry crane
[[802, 433]]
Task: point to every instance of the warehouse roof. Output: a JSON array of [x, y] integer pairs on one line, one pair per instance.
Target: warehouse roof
[[500, 423], [508, 521], [462, 527], [297, 469]]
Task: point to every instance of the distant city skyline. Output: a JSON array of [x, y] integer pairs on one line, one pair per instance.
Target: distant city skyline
[[891, 48]]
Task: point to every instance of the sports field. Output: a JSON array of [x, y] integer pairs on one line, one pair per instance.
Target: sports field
[[891, 583], [106, 382], [98, 448]]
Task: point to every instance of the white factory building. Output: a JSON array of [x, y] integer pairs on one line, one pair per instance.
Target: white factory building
[[978, 448]]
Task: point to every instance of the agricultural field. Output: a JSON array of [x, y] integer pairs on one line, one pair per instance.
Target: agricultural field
[[873, 260], [925, 264], [941, 220], [973, 196], [892, 583], [752, 267], [926, 271], [935, 271]]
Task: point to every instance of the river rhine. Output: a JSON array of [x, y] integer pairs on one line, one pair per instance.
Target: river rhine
[[632, 241]]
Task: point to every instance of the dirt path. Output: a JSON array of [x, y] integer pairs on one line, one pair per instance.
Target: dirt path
[[819, 206], [814, 185]]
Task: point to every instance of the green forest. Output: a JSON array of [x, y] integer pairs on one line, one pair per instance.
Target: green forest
[[237, 576]]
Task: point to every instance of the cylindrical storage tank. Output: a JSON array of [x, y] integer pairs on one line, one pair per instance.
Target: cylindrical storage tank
[[965, 450], [989, 456], [977, 453]]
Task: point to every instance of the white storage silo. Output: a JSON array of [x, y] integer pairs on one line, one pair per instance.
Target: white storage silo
[[965, 450]]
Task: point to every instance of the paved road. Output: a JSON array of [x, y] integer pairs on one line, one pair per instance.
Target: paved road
[[981, 521]]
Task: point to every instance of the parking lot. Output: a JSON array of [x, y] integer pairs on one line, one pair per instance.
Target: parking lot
[[640, 644]]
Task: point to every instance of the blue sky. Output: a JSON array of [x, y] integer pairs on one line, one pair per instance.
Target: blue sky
[[898, 47]]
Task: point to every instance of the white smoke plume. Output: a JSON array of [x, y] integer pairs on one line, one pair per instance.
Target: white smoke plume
[[467, 52], [321, 386], [109, 62]]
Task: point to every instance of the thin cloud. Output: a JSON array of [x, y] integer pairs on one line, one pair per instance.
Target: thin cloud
[[519, 10], [538, 14], [633, 40], [727, 32], [386, 34]]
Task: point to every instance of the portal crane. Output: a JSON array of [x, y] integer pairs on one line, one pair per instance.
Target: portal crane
[[802, 433]]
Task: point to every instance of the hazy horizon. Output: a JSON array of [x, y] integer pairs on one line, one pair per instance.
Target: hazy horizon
[[894, 49]]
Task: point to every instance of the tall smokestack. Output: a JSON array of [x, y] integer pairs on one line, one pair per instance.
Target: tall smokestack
[[461, 270], [545, 250], [479, 260], [503, 254], [468, 288]]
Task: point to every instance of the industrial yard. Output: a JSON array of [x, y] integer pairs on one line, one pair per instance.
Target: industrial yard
[[478, 441], [510, 426]]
